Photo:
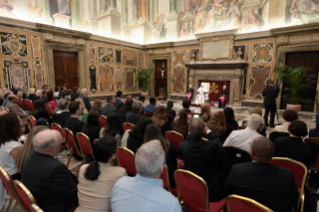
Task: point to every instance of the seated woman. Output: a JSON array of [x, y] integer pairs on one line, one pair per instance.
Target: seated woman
[[153, 133], [231, 123], [159, 116], [25, 150], [40, 111], [97, 179], [51, 100], [113, 127], [217, 124], [180, 125], [315, 132], [97, 105], [289, 116], [10, 128], [136, 135], [38, 95], [125, 110], [293, 146], [85, 112], [31, 94], [205, 112], [92, 126]]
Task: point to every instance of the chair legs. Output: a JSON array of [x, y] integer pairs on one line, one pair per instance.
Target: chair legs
[[9, 206], [83, 160], [70, 156], [15, 205]]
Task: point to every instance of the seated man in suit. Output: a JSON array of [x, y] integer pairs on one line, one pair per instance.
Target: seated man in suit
[[169, 109], [268, 184], [50, 181], [84, 93], [118, 102], [63, 113], [75, 94], [135, 115], [109, 107], [13, 107], [152, 106]]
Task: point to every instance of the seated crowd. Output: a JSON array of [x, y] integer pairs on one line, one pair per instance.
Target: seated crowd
[[102, 185]]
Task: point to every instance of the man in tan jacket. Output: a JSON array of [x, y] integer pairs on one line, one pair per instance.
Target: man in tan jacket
[[13, 107]]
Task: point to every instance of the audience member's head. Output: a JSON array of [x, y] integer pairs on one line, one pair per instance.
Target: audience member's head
[[62, 89], [153, 101], [38, 93], [159, 116], [93, 120], [170, 104], [181, 125], [56, 89], [31, 91], [104, 152], [140, 127], [27, 148], [63, 104], [75, 108], [119, 94], [290, 115], [150, 159], [298, 128], [10, 128], [110, 100], [129, 97], [141, 98], [262, 150], [44, 92], [97, 105], [113, 125], [217, 123], [254, 121], [39, 105], [20, 94], [45, 87], [229, 115], [80, 100], [153, 132], [84, 91], [205, 112], [256, 110], [186, 104], [47, 142], [14, 98], [137, 106], [50, 96], [128, 104], [270, 82], [69, 92], [76, 90], [196, 128]]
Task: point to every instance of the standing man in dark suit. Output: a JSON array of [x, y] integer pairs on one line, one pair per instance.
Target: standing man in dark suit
[[268, 184], [50, 181], [109, 108], [169, 109], [84, 93], [118, 102], [270, 93], [135, 115]]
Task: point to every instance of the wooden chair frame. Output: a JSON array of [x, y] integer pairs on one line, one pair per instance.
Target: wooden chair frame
[[34, 119], [167, 176], [51, 110], [71, 149], [36, 208], [29, 194], [28, 100], [102, 116], [247, 200], [88, 139], [302, 189], [57, 125]]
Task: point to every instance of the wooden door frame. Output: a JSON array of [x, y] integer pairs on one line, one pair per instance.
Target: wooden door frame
[[281, 60], [151, 63], [49, 47]]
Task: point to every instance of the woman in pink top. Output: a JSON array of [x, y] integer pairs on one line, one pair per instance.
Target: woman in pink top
[[51, 100]]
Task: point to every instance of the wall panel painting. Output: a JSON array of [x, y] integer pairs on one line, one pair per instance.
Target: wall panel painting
[[38, 74], [106, 78], [129, 58], [14, 45], [263, 53], [16, 72], [118, 53], [179, 58], [105, 55], [93, 79], [129, 79], [91, 51], [36, 47], [178, 80], [119, 78], [259, 77]]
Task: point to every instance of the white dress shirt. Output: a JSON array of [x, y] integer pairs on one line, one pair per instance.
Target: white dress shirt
[[283, 127], [242, 138]]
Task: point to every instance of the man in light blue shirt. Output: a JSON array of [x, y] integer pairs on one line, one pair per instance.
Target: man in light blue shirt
[[152, 106], [145, 192]]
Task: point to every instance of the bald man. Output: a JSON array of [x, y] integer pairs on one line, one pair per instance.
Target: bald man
[[268, 184], [50, 181]]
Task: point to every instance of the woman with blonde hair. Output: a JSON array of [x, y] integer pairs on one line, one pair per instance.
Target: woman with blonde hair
[[217, 124], [25, 150], [256, 110], [159, 116], [31, 94], [205, 112]]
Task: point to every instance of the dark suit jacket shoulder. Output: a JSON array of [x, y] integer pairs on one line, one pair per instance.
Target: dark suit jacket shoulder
[[171, 112], [133, 117], [118, 103], [107, 109], [61, 118], [270, 93]]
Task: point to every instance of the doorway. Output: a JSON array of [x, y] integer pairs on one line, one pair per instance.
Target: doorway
[[160, 75], [66, 69], [309, 59]]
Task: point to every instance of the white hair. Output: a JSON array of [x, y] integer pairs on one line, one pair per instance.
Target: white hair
[[254, 121], [84, 91], [44, 140], [137, 105], [149, 159]]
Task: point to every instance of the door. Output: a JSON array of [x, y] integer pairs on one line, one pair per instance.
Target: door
[[66, 69], [309, 59], [160, 76]]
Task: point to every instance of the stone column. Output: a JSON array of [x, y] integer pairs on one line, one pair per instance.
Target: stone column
[[135, 10], [92, 15], [112, 3], [172, 5], [152, 12], [143, 8], [126, 32]]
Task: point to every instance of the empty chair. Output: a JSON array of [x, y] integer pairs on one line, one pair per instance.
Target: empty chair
[[175, 138], [126, 159], [128, 126], [193, 191], [74, 149], [85, 144], [102, 121], [25, 195], [235, 203]]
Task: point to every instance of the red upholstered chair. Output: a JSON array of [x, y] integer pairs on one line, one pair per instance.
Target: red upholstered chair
[[35, 208], [84, 143], [166, 184], [49, 109], [309, 140], [235, 203], [69, 138], [28, 103], [25, 195], [102, 120], [33, 121], [8, 184], [126, 159], [95, 140], [21, 103], [193, 190], [128, 126], [300, 172], [175, 138], [57, 127]]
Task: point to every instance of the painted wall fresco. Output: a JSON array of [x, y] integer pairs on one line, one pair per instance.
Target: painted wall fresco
[[178, 80], [259, 77]]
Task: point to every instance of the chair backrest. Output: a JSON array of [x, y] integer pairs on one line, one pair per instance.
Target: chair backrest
[[299, 169], [276, 134], [316, 141], [28, 104], [35, 208], [170, 117], [175, 138], [235, 203], [128, 126], [8, 183], [126, 159], [57, 127], [69, 138], [148, 113], [193, 190], [25, 195], [102, 120], [49, 109], [21, 103], [164, 176], [33, 121], [84, 143]]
